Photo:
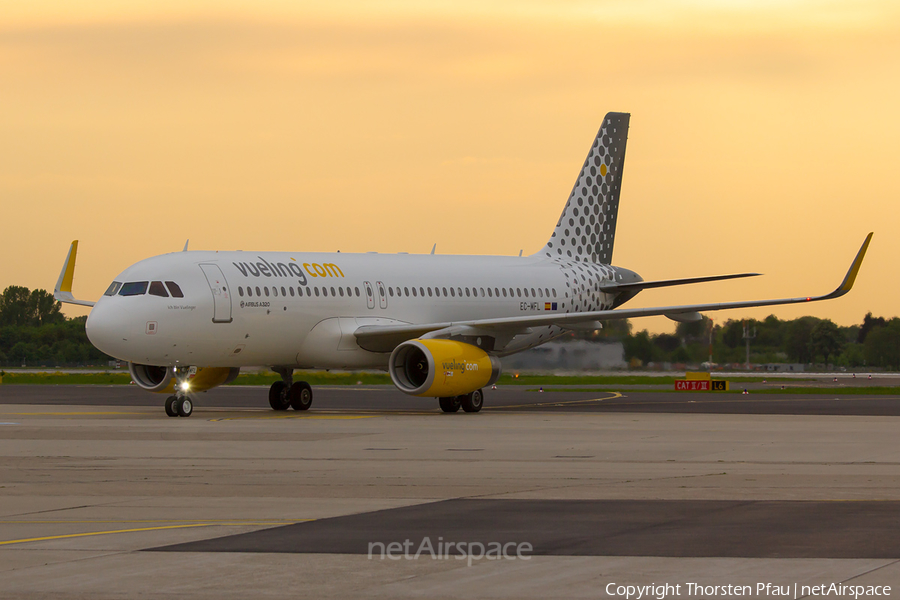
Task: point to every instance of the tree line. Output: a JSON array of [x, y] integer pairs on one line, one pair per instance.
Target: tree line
[[874, 343], [34, 332]]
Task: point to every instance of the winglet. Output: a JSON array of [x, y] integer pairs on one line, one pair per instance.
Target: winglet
[[186, 245], [850, 278], [63, 290]]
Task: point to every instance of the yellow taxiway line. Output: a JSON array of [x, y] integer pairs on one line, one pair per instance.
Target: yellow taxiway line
[[135, 530], [77, 535]]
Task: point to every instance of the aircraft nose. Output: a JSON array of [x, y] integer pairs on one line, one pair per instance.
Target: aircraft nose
[[106, 329]]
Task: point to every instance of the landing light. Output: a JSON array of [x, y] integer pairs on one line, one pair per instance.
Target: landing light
[[185, 386]]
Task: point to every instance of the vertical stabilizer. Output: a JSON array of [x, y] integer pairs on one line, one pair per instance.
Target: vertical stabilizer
[[587, 227]]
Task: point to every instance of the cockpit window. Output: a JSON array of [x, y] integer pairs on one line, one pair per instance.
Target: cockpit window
[[134, 288], [174, 289], [113, 288], [157, 289]]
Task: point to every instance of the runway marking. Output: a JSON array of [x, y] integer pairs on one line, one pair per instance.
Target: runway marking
[[561, 403]]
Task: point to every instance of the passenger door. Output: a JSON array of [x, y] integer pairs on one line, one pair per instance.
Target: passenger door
[[221, 296]]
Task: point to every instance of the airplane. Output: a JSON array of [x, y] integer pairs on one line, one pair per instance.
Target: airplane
[[189, 321]]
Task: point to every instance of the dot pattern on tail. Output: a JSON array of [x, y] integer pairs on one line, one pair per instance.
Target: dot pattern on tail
[[587, 227]]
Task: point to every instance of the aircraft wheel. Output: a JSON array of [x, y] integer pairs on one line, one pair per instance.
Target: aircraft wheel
[[301, 396], [171, 406], [278, 397], [449, 405], [185, 407], [473, 401]]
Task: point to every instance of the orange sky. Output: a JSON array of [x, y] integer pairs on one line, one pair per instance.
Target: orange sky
[[764, 135]]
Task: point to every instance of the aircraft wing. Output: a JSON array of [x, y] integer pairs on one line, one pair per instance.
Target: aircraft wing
[[63, 290], [612, 288], [383, 338]]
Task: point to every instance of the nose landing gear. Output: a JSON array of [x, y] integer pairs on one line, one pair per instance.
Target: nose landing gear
[[179, 407], [288, 393]]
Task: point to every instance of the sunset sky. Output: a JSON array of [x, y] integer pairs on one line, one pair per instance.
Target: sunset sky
[[764, 136]]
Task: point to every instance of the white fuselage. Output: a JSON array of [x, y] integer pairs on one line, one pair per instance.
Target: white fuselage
[[300, 309]]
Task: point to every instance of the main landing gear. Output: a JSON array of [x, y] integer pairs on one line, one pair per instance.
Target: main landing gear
[[471, 402], [288, 393]]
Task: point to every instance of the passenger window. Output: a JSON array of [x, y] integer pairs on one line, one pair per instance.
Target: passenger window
[[422, 292], [406, 292], [429, 292], [490, 295], [482, 292], [316, 290], [349, 291], [249, 291], [554, 292], [292, 292], [112, 289], [540, 293], [282, 291], [496, 292], [274, 291], [174, 289], [158, 289], [332, 292], [414, 291], [504, 292], [324, 291], [467, 292], [445, 292], [453, 292], [391, 291], [341, 290], [240, 291], [266, 290], [257, 291], [134, 288]]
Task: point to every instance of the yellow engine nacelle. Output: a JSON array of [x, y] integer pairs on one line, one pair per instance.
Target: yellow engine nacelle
[[161, 380], [441, 368]]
